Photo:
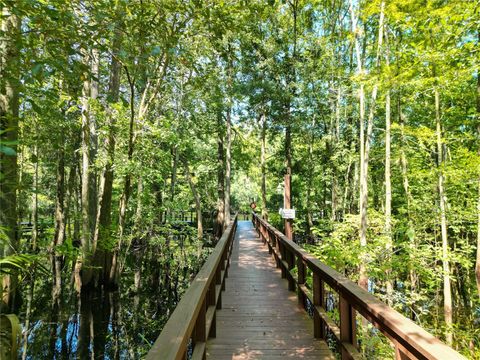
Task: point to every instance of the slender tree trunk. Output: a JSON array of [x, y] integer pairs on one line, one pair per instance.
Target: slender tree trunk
[[148, 95], [175, 154], [85, 190], [309, 218], [263, 124], [93, 192], [403, 156], [196, 196], [28, 314], [59, 220], [388, 195], [102, 233], [288, 223], [10, 44], [363, 277], [113, 277], [477, 265], [228, 164], [220, 179], [35, 200], [447, 289], [388, 183]]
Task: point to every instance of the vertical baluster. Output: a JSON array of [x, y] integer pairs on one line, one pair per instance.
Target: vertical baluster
[[200, 330], [282, 257], [270, 242], [222, 267], [318, 301], [211, 298], [400, 354], [301, 277], [347, 326], [290, 257]]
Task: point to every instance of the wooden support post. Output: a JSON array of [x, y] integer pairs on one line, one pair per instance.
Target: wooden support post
[[218, 281], [290, 257], [213, 327], [400, 353], [318, 300], [301, 276], [347, 327], [211, 299], [200, 330], [282, 258]]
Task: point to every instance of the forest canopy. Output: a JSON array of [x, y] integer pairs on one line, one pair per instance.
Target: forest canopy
[[131, 130]]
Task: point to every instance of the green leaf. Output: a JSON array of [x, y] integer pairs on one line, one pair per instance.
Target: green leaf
[[7, 150]]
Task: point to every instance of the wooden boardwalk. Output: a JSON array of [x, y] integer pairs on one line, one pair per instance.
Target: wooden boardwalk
[[260, 318]]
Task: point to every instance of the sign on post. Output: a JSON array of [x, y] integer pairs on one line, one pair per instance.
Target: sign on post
[[287, 213]]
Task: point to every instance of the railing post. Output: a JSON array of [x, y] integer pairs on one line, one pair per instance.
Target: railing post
[[218, 281], [318, 300], [200, 330], [211, 298], [290, 258], [222, 267], [400, 354], [281, 247], [301, 277], [347, 327], [270, 242]]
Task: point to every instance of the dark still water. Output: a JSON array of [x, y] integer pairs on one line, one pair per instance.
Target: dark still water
[[120, 324]]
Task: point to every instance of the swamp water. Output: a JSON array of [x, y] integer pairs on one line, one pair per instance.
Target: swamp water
[[121, 324]]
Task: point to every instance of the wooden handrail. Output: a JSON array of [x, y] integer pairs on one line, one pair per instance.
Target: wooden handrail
[[409, 339], [194, 317]]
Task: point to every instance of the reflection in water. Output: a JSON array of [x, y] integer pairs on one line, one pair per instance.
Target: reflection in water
[[120, 324]]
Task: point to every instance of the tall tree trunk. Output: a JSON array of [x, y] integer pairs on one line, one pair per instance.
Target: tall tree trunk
[[85, 190], [447, 289], [175, 154], [113, 277], [10, 44], [363, 277], [93, 192], [228, 163], [388, 183], [388, 195], [149, 93], [477, 265], [403, 156], [196, 196], [220, 179], [263, 124], [102, 233], [365, 142], [309, 218], [59, 220], [35, 199]]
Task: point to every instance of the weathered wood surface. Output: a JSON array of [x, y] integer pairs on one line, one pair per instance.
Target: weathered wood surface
[[260, 318], [409, 340], [193, 320]]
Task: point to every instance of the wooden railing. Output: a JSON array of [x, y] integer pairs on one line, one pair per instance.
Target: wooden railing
[[409, 340], [193, 320]]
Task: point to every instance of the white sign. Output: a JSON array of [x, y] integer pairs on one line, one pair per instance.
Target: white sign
[[287, 213]]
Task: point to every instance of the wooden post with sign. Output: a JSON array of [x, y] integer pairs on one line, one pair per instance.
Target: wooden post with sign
[[288, 205]]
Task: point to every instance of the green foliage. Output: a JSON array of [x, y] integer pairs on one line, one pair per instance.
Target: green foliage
[[10, 331]]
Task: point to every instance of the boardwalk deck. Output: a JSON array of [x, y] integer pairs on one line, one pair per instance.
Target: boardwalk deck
[[260, 318]]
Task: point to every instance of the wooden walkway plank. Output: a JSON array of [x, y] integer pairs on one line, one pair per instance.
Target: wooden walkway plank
[[260, 318]]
